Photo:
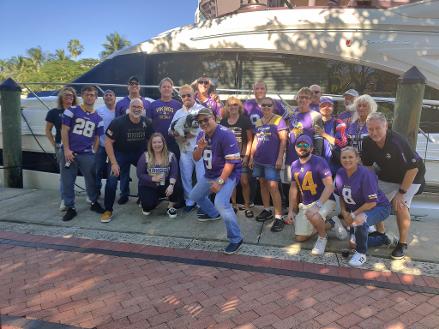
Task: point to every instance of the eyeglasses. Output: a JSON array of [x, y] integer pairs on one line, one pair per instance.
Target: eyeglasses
[[303, 145], [234, 104], [266, 105], [316, 91], [204, 82], [134, 83], [186, 95], [303, 97], [205, 120]]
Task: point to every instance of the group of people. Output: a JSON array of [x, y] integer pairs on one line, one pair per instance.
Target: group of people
[[305, 156]]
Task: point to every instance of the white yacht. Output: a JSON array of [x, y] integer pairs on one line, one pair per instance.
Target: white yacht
[[365, 45]]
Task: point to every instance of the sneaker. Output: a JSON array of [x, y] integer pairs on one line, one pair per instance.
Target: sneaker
[[233, 248], [62, 206], [278, 225], [357, 260], [200, 212], [392, 240], [87, 199], [69, 215], [319, 247], [206, 218], [264, 216], [338, 229], [96, 207], [106, 216], [189, 208], [122, 200], [172, 212], [399, 251], [146, 212], [372, 229]]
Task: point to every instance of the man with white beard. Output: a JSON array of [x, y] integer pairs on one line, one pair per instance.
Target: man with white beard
[[349, 98]]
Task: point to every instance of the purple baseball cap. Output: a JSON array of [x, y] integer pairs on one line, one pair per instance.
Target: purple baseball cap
[[305, 139], [326, 99]]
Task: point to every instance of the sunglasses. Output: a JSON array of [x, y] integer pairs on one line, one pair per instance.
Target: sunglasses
[[134, 83], [303, 145], [266, 105], [303, 97], [186, 95], [316, 92], [205, 120], [203, 82]]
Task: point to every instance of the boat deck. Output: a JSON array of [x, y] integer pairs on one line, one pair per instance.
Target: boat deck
[[35, 211]]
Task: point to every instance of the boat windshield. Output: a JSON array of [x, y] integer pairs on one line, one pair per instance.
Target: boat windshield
[[209, 9]]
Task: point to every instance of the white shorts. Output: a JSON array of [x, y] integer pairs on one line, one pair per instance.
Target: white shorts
[[390, 190], [302, 226], [285, 174]]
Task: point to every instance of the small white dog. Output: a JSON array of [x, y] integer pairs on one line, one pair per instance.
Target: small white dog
[[185, 125]]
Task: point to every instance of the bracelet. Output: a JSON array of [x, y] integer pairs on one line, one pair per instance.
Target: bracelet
[[401, 191]]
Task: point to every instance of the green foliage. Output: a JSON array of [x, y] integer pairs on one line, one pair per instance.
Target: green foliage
[[113, 43], [75, 48]]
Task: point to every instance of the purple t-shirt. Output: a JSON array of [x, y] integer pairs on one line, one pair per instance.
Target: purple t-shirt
[[145, 172], [84, 127], [356, 133], [254, 111], [301, 123], [360, 188], [221, 147], [123, 105], [162, 114], [309, 177], [211, 104], [268, 141]]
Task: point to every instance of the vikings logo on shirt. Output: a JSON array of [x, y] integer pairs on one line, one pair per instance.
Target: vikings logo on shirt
[[263, 134], [297, 129]]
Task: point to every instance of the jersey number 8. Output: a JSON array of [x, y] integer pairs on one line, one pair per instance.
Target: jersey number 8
[[347, 195], [84, 127]]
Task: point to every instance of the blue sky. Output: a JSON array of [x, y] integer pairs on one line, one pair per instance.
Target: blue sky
[[52, 23]]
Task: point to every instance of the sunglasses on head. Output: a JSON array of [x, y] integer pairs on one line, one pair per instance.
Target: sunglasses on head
[[205, 120], [266, 105], [203, 82], [185, 95], [303, 145], [316, 91]]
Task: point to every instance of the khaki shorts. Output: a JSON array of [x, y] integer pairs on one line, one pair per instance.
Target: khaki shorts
[[302, 225], [390, 190]]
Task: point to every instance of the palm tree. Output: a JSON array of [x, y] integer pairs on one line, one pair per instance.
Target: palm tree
[[60, 55], [37, 57], [75, 48], [18, 67], [114, 43]]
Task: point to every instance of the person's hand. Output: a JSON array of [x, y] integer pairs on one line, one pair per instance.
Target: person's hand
[[156, 178], [278, 164], [347, 217], [215, 187], [68, 155], [115, 169], [290, 218], [202, 143], [245, 161], [251, 163], [398, 202], [169, 190]]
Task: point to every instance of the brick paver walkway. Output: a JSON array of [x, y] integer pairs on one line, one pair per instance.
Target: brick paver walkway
[[87, 284]]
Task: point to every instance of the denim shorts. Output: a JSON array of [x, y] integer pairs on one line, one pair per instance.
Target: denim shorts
[[377, 214], [265, 171]]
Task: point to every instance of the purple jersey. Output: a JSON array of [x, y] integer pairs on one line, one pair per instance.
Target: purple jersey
[[356, 133], [221, 147], [123, 105], [162, 114], [345, 116], [360, 188], [84, 127], [268, 141], [212, 104], [301, 123], [253, 110], [309, 177]]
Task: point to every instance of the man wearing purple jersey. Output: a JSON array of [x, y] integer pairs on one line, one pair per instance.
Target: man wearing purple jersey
[[252, 107], [218, 148], [162, 111], [81, 128], [123, 105], [313, 180], [361, 201]]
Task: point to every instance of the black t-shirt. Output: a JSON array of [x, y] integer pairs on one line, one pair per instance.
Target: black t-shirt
[[54, 116], [239, 129], [394, 159], [128, 136]]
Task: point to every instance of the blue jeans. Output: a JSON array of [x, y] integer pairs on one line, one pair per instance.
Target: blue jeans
[[101, 166], [86, 163], [374, 216], [200, 194], [125, 160], [59, 155], [187, 166]]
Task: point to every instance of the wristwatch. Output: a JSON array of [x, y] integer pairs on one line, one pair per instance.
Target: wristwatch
[[220, 181], [401, 191]]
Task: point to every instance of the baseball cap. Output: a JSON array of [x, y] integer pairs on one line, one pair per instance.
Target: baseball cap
[[133, 79], [204, 111], [351, 92], [326, 99], [304, 138], [109, 91]]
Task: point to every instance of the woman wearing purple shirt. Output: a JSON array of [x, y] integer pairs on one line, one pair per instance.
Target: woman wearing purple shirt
[[362, 203], [357, 130], [205, 95], [157, 170]]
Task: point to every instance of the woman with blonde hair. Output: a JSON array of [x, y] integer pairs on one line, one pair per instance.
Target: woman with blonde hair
[[206, 96], [66, 99], [357, 130], [157, 171], [240, 125]]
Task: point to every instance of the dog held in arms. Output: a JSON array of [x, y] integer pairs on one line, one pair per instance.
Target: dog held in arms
[[185, 125]]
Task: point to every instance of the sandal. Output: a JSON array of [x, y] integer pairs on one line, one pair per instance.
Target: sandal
[[249, 213]]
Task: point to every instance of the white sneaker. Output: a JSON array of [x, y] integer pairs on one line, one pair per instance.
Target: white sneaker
[[339, 230], [357, 260], [372, 229], [146, 213], [62, 206], [87, 199], [319, 247]]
